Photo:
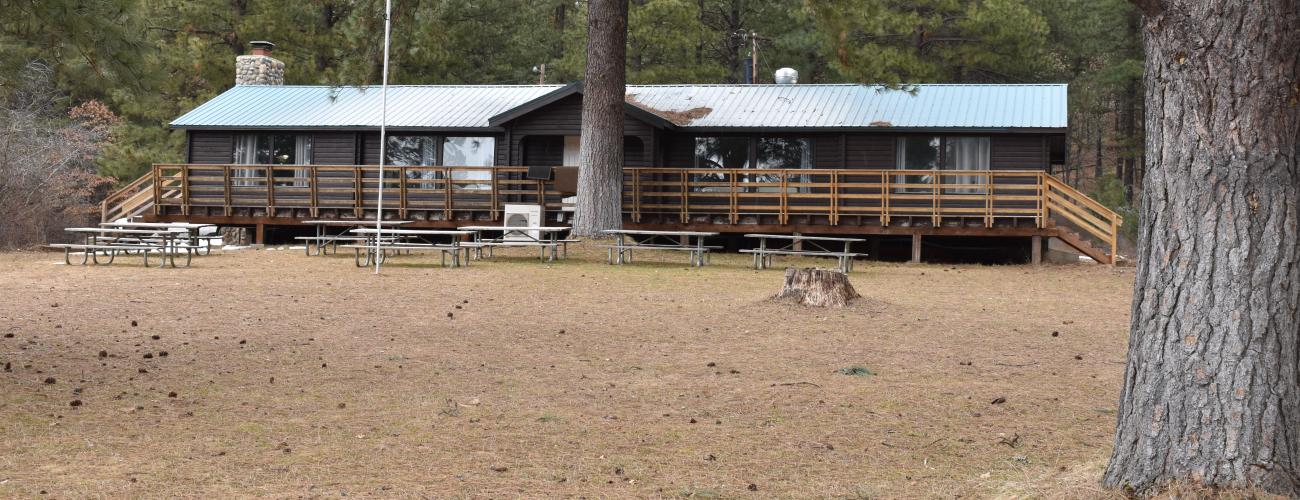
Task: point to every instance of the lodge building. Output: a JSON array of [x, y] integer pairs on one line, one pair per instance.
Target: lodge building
[[947, 163]]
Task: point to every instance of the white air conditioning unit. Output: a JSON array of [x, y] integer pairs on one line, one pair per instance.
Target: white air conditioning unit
[[524, 216]]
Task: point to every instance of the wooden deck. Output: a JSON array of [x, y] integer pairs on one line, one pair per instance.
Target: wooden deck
[[829, 201]]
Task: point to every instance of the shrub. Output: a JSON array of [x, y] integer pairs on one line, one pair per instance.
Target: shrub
[[47, 170]]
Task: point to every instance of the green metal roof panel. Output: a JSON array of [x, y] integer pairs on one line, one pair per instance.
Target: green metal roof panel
[[688, 106], [854, 106], [409, 106]]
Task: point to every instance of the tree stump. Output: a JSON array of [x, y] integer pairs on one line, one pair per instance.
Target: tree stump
[[817, 287]]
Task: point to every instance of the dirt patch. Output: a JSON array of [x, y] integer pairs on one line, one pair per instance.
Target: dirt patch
[[290, 375]]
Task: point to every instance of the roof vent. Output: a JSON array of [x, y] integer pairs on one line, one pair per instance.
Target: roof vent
[[786, 76]]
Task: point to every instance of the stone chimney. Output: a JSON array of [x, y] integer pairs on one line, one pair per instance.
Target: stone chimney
[[259, 68]]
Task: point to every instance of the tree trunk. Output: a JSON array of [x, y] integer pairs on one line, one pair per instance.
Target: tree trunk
[[600, 173], [1211, 393], [817, 287], [1098, 169]]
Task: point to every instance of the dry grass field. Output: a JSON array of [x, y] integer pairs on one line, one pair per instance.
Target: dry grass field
[[269, 373]]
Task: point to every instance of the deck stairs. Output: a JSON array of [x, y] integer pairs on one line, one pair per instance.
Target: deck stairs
[[130, 201], [1084, 245], [1080, 221]]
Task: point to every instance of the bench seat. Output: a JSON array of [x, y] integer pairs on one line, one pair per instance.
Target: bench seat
[[91, 253], [811, 253], [657, 246], [445, 249], [763, 257], [699, 254]]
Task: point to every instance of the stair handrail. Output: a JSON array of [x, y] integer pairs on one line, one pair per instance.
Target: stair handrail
[[1086, 213], [116, 203]]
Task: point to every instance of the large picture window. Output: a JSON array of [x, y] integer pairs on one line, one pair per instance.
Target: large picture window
[[422, 151], [470, 152], [784, 152], [781, 153], [413, 151], [755, 154], [720, 153], [942, 153], [272, 149], [965, 153]]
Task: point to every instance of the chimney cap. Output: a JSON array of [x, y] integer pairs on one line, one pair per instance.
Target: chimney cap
[[261, 47]]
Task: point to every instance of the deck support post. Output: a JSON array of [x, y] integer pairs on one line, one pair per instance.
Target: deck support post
[[873, 247], [1036, 250], [916, 248], [259, 235]]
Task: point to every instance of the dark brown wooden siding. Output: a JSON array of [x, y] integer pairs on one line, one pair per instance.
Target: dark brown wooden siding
[[564, 117], [827, 151], [534, 143], [334, 148], [1018, 152], [542, 150], [211, 147], [501, 152], [370, 149], [636, 152], [679, 151], [869, 151]]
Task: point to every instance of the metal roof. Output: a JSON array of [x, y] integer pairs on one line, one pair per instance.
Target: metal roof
[[854, 106], [1040, 106], [309, 106]]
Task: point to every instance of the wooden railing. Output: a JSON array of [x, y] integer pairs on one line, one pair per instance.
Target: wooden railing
[[729, 196], [835, 193], [1083, 212], [128, 201], [448, 190], [882, 195]]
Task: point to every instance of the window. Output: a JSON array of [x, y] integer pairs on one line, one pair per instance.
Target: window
[[942, 153], [965, 153], [744, 153], [783, 153], [413, 151], [719, 152], [272, 149], [470, 152]]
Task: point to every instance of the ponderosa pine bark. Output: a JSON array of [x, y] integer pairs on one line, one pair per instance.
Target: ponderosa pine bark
[[1211, 393], [600, 170]]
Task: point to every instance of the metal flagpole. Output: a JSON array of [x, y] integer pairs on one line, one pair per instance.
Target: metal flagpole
[[383, 134]]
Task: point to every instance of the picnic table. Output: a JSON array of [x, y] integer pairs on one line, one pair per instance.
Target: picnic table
[[324, 237], [794, 244], [112, 241], [193, 231], [408, 240], [621, 251], [543, 237]]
